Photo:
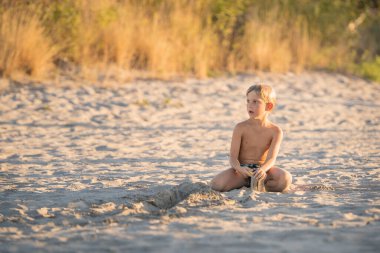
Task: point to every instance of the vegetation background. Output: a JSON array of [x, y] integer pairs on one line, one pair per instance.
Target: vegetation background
[[170, 38]]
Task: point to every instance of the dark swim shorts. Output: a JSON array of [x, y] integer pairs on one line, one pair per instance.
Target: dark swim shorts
[[253, 167]]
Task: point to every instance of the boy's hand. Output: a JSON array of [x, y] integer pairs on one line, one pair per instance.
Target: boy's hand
[[260, 174], [245, 172]]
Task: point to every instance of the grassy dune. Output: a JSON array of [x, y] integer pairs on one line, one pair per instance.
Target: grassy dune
[[167, 38]]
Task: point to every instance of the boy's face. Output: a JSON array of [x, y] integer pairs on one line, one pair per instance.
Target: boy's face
[[256, 107]]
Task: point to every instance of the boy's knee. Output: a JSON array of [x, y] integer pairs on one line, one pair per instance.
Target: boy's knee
[[216, 185]]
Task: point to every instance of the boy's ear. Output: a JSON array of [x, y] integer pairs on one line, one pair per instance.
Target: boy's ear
[[269, 106]]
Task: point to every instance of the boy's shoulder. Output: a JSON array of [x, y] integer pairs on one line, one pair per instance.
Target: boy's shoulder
[[275, 128], [242, 124]]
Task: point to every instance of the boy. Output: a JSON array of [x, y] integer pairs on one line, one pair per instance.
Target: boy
[[254, 147]]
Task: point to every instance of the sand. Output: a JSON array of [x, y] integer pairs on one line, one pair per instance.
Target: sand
[[126, 167]]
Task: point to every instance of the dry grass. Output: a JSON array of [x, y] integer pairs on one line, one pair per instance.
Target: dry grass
[[273, 44], [175, 38], [166, 43], [24, 46]]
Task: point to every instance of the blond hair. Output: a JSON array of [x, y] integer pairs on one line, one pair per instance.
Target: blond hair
[[265, 91]]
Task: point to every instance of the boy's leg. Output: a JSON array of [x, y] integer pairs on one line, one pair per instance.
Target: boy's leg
[[277, 180], [228, 180]]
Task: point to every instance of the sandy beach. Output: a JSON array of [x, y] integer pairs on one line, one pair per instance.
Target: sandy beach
[[126, 167]]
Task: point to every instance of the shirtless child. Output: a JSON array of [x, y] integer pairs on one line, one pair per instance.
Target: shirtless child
[[254, 147]]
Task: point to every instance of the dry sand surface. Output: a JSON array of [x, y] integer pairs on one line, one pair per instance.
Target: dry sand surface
[[127, 169]]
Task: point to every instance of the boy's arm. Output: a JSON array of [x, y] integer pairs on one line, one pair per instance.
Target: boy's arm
[[234, 151], [272, 154]]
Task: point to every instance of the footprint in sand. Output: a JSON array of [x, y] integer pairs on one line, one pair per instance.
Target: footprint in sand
[[105, 148]]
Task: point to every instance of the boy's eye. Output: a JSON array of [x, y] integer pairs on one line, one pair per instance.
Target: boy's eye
[[253, 101]]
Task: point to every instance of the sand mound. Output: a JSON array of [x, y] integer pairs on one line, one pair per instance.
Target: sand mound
[[168, 198]]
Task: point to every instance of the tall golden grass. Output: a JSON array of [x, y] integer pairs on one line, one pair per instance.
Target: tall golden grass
[[272, 43], [165, 38], [23, 44]]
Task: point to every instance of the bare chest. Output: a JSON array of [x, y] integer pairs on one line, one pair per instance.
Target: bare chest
[[256, 140]]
